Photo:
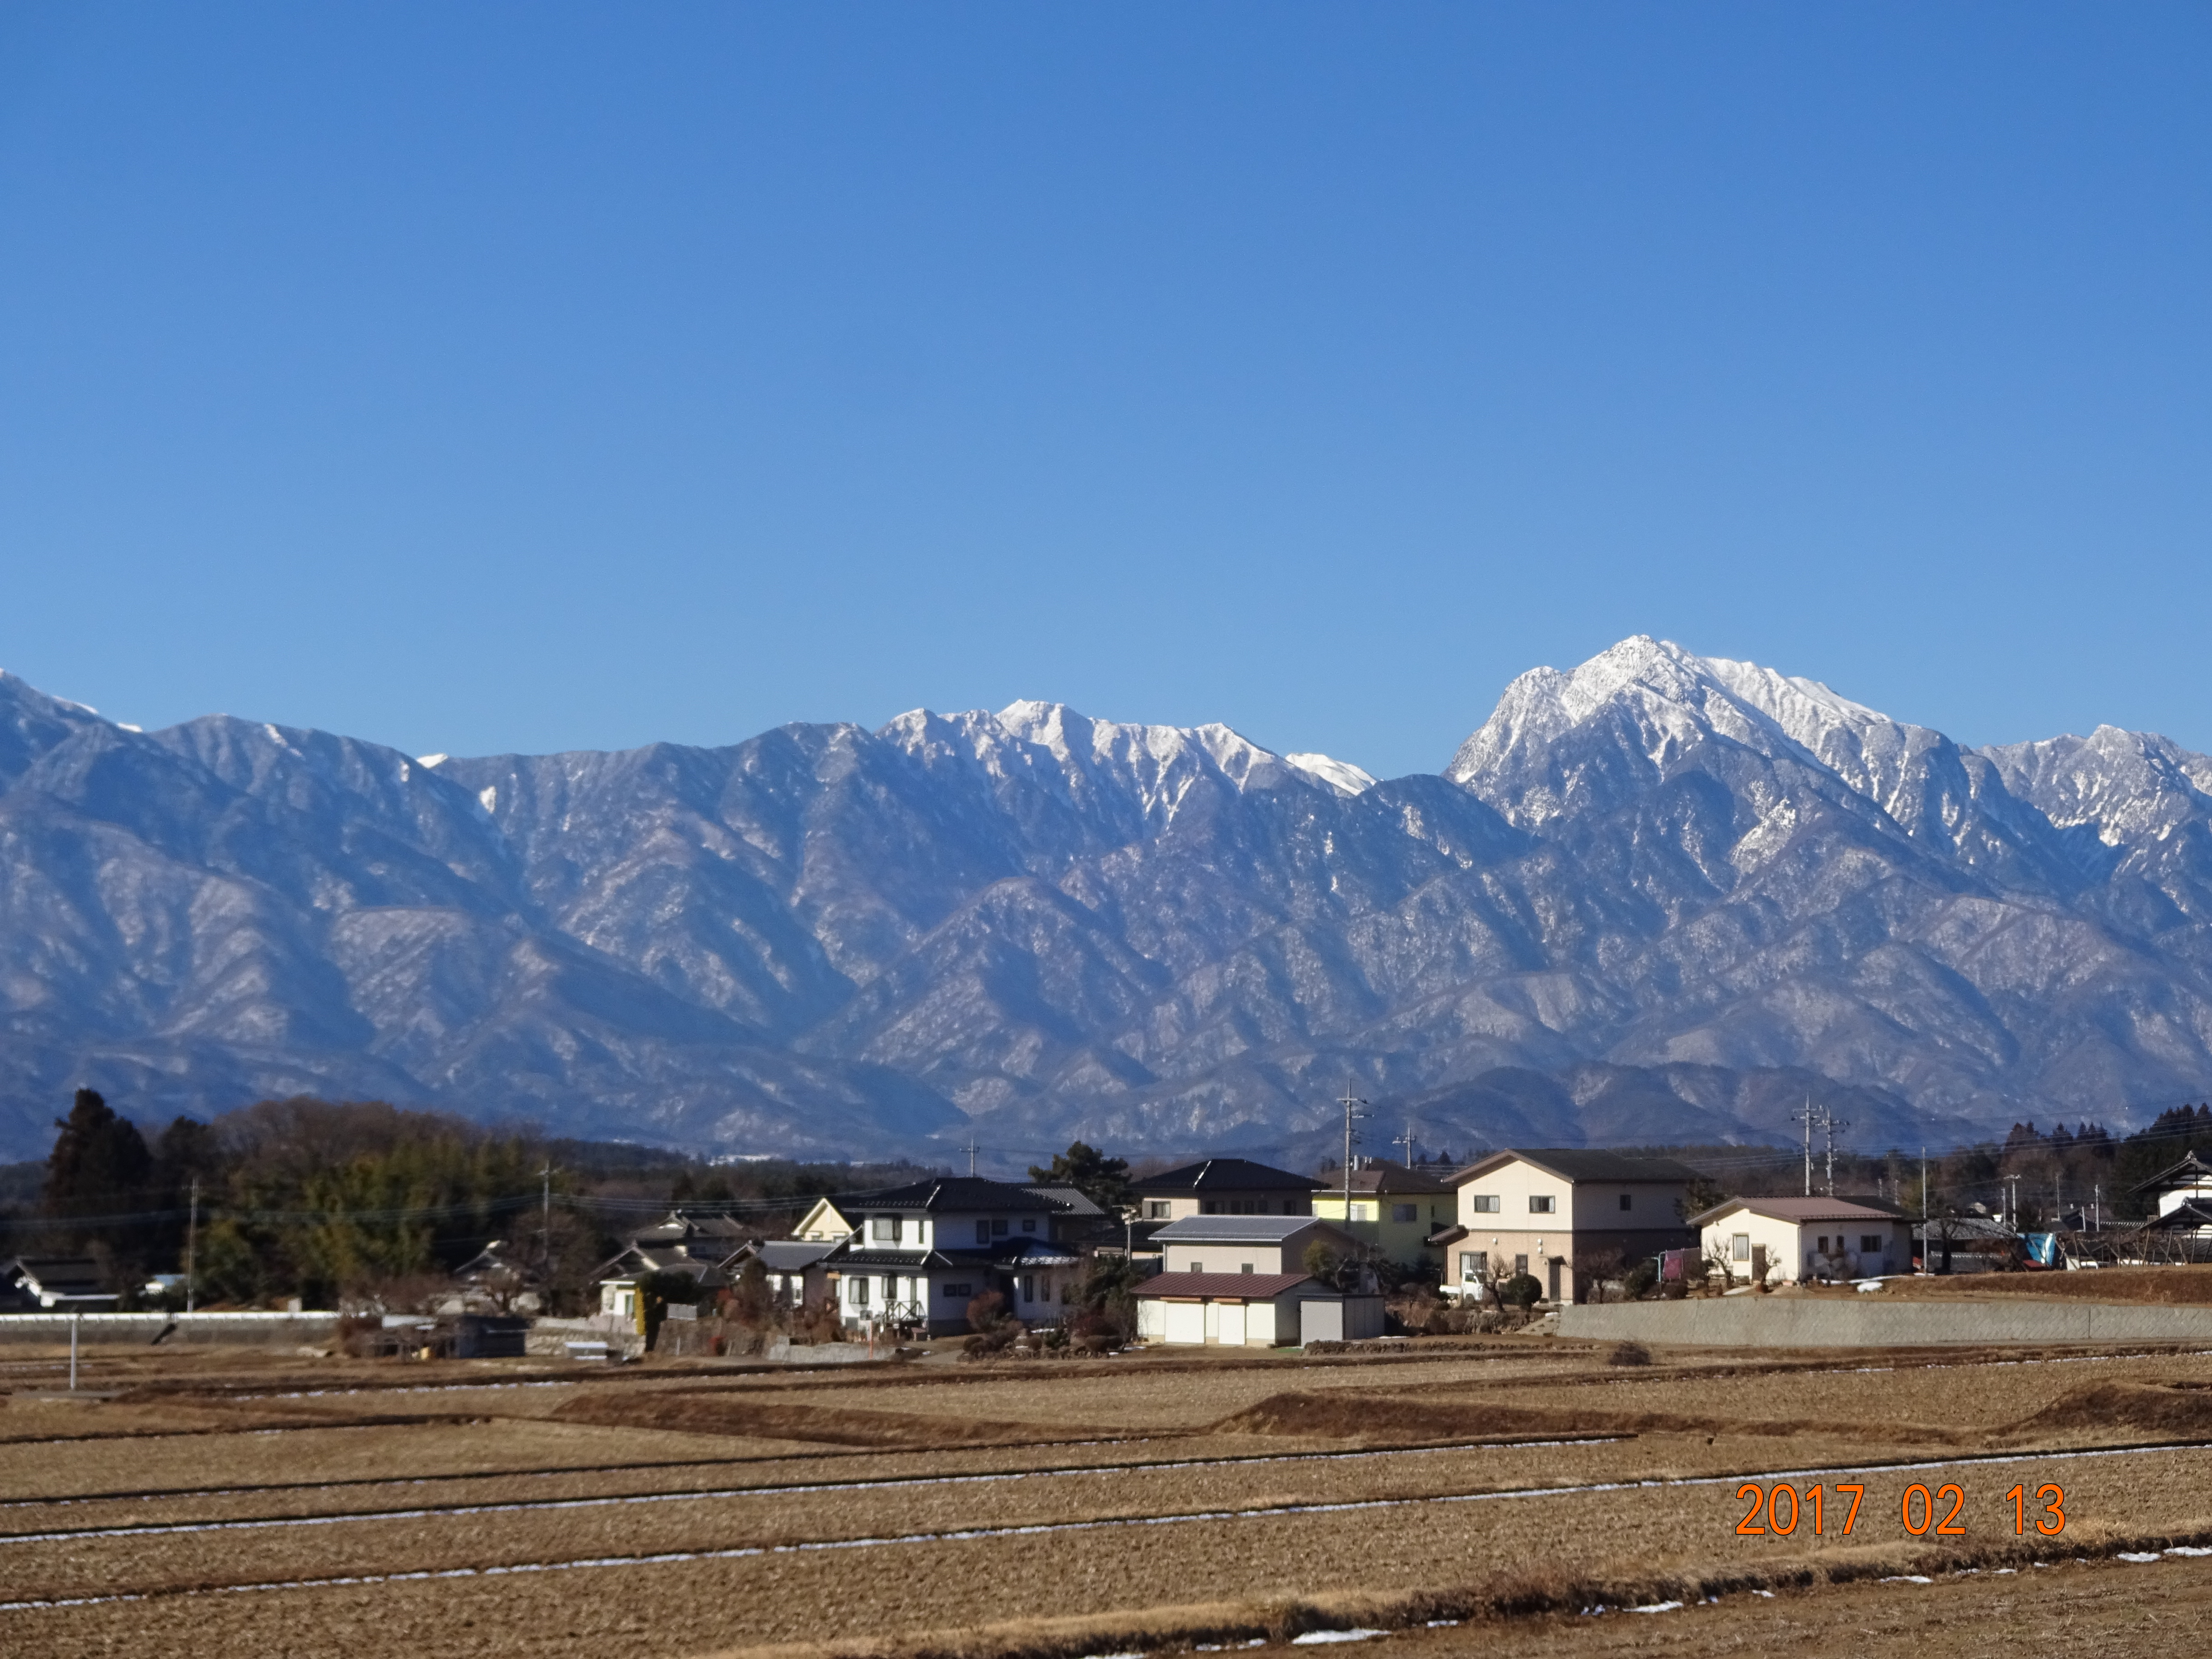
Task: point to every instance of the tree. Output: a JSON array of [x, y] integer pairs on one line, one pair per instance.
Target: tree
[[1702, 1194], [1104, 1181], [98, 1173]]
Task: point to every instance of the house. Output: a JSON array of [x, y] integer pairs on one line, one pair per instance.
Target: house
[[798, 1268], [1246, 1244], [1557, 1211], [919, 1253], [824, 1221], [694, 1244], [1391, 1208], [1252, 1310], [493, 1280], [1966, 1244], [69, 1283], [1225, 1186], [1791, 1240]]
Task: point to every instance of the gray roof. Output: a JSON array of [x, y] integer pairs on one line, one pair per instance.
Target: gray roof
[[1071, 1199], [787, 1256], [1236, 1229], [1797, 1210], [940, 1193], [1582, 1164]]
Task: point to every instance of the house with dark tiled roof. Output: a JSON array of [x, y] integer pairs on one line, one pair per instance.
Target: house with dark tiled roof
[[1388, 1207], [1552, 1212], [918, 1254], [1225, 1186], [49, 1282]]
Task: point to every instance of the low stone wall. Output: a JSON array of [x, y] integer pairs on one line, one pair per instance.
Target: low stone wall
[[1868, 1321], [141, 1329]]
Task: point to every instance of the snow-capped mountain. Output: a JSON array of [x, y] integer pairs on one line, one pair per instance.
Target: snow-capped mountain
[[1659, 896]]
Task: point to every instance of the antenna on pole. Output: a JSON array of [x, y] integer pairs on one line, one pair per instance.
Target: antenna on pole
[[1407, 1141], [971, 1149], [1831, 1123], [1805, 1117]]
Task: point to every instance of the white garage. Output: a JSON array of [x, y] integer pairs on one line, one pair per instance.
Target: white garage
[[1250, 1311]]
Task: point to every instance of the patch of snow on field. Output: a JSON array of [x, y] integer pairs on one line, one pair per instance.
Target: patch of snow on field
[[1314, 1637], [2187, 1549], [1909, 1578], [2140, 1558], [1659, 1606]]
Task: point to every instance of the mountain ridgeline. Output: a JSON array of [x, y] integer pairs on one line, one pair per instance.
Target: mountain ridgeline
[[1658, 898]]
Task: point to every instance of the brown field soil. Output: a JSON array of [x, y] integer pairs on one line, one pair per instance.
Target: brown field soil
[[2176, 1286], [906, 1512]]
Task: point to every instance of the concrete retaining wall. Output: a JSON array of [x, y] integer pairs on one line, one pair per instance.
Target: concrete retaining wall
[[139, 1329], [1867, 1322]]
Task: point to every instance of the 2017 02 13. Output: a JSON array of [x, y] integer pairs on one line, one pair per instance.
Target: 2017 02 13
[[1778, 1511]]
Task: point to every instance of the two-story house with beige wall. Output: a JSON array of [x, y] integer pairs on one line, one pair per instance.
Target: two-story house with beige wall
[[1224, 1186], [1544, 1210]]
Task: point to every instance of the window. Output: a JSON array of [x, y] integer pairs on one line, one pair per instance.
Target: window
[[1628, 1200], [1541, 1204], [1029, 1287], [1520, 1264], [1870, 1244], [1195, 1267], [1246, 1267], [961, 1291], [859, 1291], [998, 1228], [1361, 1212], [1404, 1212], [1290, 1207], [1473, 1264], [1740, 1248], [1823, 1246], [1209, 1206], [1155, 1209], [1484, 1203], [1029, 1223]]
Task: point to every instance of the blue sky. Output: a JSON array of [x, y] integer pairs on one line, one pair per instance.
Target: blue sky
[[536, 377]]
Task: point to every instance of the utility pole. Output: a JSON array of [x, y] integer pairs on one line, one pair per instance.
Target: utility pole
[[1406, 1140], [1831, 1122], [192, 1242], [1805, 1117], [545, 1226], [2096, 1208], [971, 1151], [1351, 1103]]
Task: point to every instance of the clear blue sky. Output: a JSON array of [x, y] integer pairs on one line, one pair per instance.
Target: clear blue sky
[[492, 377]]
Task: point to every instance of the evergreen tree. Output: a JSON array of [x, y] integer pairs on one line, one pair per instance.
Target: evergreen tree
[[1104, 1181], [100, 1165]]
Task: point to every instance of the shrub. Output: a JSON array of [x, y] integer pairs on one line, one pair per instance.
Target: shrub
[[1629, 1353], [1641, 1278], [1674, 1290], [986, 1314], [1522, 1291]]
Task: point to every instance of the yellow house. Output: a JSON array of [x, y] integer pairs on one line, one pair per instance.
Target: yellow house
[[1391, 1208], [825, 1224]]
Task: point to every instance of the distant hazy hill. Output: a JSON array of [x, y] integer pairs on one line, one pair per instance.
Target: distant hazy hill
[[1660, 897]]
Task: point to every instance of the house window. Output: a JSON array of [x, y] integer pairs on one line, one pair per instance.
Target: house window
[[1155, 1209], [1870, 1244], [959, 1290], [859, 1291], [1823, 1246], [1404, 1212], [886, 1229], [1541, 1204], [1246, 1267], [1195, 1267], [1628, 1200], [1290, 1207], [1029, 1223], [1484, 1203], [1520, 1264], [1473, 1264], [1740, 1248], [1208, 1206], [1029, 1287], [1361, 1212]]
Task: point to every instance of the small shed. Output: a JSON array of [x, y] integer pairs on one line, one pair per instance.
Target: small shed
[[1250, 1311], [1794, 1239]]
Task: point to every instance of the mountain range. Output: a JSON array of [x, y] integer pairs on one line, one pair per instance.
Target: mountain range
[[1660, 897]]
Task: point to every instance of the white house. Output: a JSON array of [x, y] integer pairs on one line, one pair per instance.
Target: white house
[[1791, 1240], [918, 1253]]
